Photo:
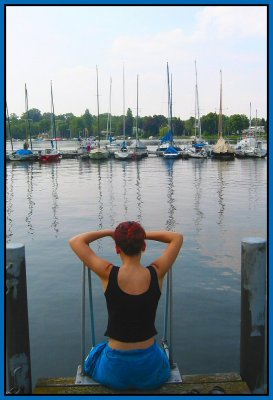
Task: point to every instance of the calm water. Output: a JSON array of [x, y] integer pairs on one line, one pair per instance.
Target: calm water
[[215, 204]]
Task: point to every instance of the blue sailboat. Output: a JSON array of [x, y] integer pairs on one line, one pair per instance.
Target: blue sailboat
[[171, 151]]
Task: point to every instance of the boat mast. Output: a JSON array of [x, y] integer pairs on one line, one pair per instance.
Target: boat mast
[[10, 136], [256, 124], [137, 113], [109, 113], [250, 118], [220, 126], [27, 117], [169, 105], [53, 116], [98, 107], [197, 106], [123, 104]]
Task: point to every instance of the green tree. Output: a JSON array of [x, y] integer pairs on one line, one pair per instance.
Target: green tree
[[238, 122], [209, 124], [34, 115], [88, 122], [129, 122], [77, 126]]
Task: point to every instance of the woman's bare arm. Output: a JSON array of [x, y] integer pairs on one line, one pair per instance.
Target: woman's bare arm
[[80, 245], [174, 242]]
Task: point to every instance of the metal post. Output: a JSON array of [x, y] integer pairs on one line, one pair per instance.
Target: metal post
[[171, 320], [165, 328], [83, 321], [253, 304], [17, 330], [91, 308]]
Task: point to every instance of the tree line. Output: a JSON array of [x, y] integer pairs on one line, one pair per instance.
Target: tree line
[[70, 126]]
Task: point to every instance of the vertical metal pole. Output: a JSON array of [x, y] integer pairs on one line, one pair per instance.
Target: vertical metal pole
[[253, 304], [91, 309], [171, 319], [17, 330], [83, 321], [165, 329]]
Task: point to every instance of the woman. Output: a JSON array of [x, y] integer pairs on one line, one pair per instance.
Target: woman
[[131, 358]]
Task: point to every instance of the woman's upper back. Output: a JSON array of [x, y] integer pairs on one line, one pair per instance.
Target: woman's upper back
[[131, 317]]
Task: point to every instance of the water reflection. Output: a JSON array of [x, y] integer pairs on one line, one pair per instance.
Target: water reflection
[[221, 166], [125, 200], [138, 194], [197, 166], [100, 204], [55, 198], [9, 203], [170, 223], [31, 203], [111, 195]]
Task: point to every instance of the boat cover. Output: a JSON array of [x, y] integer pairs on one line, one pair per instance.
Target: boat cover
[[23, 152], [199, 145], [171, 150], [222, 147]]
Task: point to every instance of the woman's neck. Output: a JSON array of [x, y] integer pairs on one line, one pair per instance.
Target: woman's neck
[[130, 261]]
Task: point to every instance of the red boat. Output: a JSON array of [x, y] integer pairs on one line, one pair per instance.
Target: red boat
[[49, 155]]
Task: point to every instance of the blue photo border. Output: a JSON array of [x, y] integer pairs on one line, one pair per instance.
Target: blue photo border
[[3, 4]]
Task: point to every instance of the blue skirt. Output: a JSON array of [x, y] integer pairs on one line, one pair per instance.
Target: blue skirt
[[144, 369]]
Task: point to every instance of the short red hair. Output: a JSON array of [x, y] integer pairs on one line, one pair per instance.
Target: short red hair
[[130, 237]]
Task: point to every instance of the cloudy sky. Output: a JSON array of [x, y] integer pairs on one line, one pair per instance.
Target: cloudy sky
[[64, 44]]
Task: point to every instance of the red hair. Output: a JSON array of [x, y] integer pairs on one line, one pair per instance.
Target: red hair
[[130, 236]]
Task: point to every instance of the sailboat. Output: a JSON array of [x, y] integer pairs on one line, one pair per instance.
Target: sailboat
[[172, 151], [113, 145], [198, 145], [123, 153], [51, 154], [222, 149], [138, 149], [98, 153], [250, 146], [9, 130], [25, 154]]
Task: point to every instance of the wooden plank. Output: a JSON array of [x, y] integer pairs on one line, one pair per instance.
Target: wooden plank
[[231, 383]]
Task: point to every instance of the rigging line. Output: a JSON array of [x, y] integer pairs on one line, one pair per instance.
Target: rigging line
[[91, 308], [10, 136], [83, 321], [171, 319], [165, 328]]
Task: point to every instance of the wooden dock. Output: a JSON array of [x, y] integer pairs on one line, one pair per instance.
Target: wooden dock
[[231, 383]]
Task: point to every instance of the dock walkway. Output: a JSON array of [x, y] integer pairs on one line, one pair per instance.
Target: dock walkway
[[231, 383]]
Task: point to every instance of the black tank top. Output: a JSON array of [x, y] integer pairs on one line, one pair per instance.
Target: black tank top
[[131, 318]]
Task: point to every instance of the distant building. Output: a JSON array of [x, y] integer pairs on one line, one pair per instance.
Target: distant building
[[253, 130]]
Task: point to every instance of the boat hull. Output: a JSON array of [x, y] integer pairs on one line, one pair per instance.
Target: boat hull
[[50, 157], [222, 156], [20, 157], [99, 154], [122, 155]]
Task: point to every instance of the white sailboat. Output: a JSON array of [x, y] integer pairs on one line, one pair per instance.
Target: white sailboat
[[197, 150], [138, 149], [222, 149], [112, 146], [51, 154], [123, 153], [98, 153], [250, 146]]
